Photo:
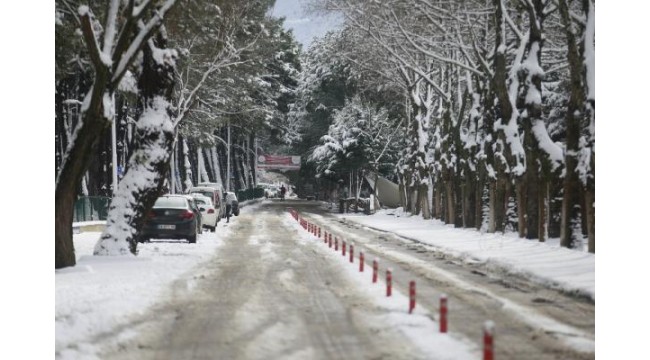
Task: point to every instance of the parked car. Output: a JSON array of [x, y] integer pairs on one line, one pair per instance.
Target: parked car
[[215, 196], [270, 190], [209, 216], [231, 199], [172, 217], [195, 209], [222, 195]]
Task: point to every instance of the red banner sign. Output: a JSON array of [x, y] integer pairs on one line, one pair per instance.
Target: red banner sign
[[282, 162]]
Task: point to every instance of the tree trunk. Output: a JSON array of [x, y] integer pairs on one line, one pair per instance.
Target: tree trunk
[[149, 164], [423, 195], [451, 203], [572, 187], [590, 198], [74, 167], [467, 191], [498, 205], [478, 204], [542, 211], [522, 202], [437, 201], [492, 222]]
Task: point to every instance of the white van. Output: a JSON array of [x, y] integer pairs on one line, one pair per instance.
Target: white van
[[215, 195], [222, 195]]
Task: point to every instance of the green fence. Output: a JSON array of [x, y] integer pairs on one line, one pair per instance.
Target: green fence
[[91, 208], [250, 194]]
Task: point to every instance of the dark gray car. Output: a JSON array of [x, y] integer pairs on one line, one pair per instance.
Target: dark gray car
[[172, 217]]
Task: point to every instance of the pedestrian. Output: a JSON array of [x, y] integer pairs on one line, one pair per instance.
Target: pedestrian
[[228, 200], [283, 191]]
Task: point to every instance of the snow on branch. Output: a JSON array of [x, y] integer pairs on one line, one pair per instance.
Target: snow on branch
[[85, 16], [430, 53], [143, 35], [109, 34]]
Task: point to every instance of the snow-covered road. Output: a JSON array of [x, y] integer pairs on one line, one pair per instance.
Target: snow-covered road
[[273, 293], [263, 288]]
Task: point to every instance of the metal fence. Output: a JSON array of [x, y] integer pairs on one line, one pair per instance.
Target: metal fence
[[91, 208]]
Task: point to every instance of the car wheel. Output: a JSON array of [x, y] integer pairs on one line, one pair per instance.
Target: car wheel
[[213, 228], [192, 239]]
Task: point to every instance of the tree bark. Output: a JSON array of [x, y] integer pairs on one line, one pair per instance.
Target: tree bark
[[451, 203], [542, 204], [478, 204], [590, 198], [77, 160], [572, 187], [423, 195], [150, 161], [522, 203], [498, 205], [437, 200]]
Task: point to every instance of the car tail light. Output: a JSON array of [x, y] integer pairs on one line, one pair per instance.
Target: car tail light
[[187, 214], [151, 215], [210, 211]]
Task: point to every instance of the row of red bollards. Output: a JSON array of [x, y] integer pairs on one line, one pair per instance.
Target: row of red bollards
[[488, 328]]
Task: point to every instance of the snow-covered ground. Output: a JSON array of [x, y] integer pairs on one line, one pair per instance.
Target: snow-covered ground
[[548, 263], [101, 293]]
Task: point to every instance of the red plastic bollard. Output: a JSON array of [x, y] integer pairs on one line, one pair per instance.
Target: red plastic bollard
[[352, 253], [336, 244], [411, 296], [488, 340], [360, 261], [319, 232], [443, 313], [325, 237], [343, 246], [389, 282], [375, 269], [330, 241], [330, 236]]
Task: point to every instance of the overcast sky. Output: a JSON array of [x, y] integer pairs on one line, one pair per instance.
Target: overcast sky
[[305, 26]]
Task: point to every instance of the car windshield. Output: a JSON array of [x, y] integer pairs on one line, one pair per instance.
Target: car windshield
[[200, 201], [171, 202]]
